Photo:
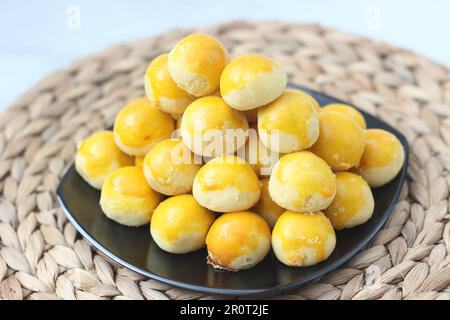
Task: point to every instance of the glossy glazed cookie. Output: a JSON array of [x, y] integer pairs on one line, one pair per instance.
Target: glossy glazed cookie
[[179, 224], [210, 127], [139, 126], [226, 184], [238, 241], [289, 123], [303, 239], [353, 204], [162, 91], [382, 159], [251, 81], [196, 63], [341, 140], [97, 156], [302, 182], [127, 198], [170, 167]]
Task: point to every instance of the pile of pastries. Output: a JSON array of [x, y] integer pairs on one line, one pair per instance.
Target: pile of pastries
[[220, 153]]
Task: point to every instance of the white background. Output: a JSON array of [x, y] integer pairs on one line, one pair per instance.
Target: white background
[[39, 36]]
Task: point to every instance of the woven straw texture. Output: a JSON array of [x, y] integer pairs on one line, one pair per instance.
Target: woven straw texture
[[43, 257]]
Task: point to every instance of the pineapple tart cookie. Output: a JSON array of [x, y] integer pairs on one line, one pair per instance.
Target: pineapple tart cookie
[[211, 128], [179, 224], [382, 159], [97, 156], [251, 81], [139, 126], [303, 239], [302, 182], [288, 124], [238, 241], [226, 184], [162, 91], [196, 63], [127, 198]]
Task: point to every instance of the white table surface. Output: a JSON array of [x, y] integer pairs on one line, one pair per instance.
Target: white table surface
[[40, 36]]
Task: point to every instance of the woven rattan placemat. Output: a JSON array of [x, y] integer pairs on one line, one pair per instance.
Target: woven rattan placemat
[[43, 257]]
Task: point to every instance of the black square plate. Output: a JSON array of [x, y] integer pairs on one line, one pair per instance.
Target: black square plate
[[135, 249]]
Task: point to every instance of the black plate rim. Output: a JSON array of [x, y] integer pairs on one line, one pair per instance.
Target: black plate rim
[[263, 291]]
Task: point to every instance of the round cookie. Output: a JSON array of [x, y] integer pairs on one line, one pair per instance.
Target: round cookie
[[353, 204], [288, 124], [170, 167], [97, 156], [348, 110], [208, 126], [196, 63], [382, 159], [139, 125], [127, 198], [238, 241], [266, 207], [302, 182], [179, 224], [303, 239], [226, 184], [162, 91], [341, 140], [251, 81]]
